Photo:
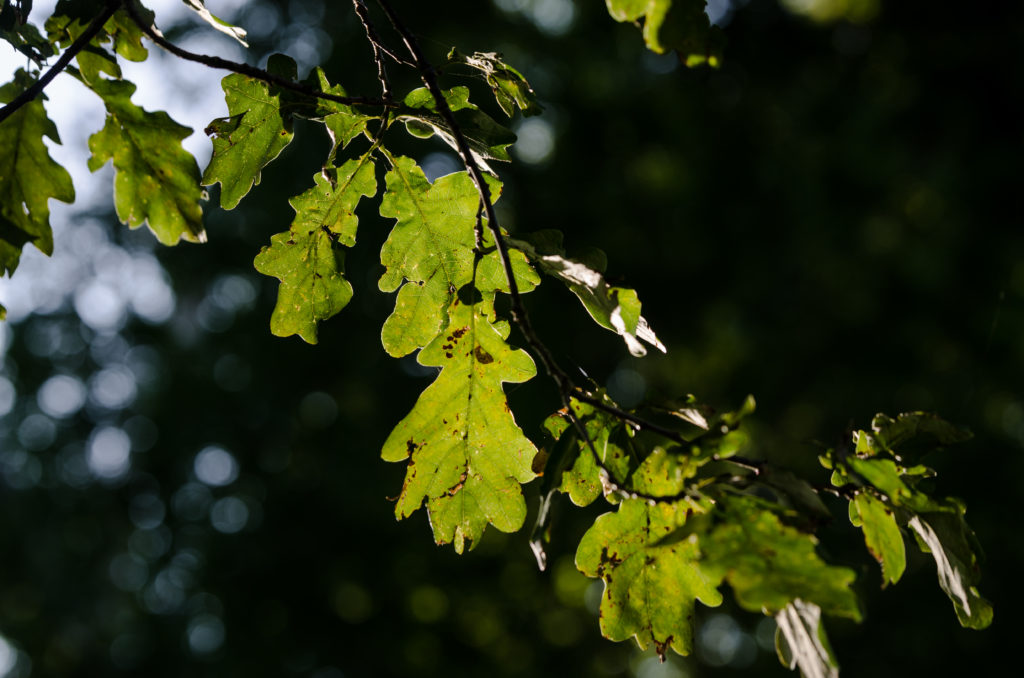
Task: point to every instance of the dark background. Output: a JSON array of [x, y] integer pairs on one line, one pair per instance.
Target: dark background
[[830, 221]]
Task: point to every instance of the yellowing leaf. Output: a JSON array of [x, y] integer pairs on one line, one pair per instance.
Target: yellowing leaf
[[156, 180], [467, 457]]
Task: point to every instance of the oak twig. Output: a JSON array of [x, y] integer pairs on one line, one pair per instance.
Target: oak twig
[[251, 71], [70, 53]]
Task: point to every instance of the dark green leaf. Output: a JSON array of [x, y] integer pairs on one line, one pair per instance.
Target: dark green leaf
[[769, 564]]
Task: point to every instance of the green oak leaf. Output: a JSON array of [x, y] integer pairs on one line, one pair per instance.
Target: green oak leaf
[[255, 132], [613, 308], [652, 580], [487, 139], [769, 564], [343, 123], [156, 180], [304, 259], [431, 247], [29, 177], [801, 641], [681, 25], [881, 534], [582, 479], [510, 88], [312, 285], [467, 457]]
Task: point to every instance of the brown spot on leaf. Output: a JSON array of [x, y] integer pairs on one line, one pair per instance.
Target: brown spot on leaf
[[457, 334], [660, 646], [482, 356], [411, 446]]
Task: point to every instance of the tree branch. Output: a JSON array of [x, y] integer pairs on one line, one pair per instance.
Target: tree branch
[[567, 389], [70, 53], [251, 71]]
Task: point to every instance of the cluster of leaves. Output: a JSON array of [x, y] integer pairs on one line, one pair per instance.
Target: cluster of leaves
[[691, 515]]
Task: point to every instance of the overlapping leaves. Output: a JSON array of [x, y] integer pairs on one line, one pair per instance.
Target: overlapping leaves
[[890, 497]]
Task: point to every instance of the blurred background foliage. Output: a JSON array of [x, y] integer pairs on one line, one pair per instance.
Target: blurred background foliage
[[831, 221]]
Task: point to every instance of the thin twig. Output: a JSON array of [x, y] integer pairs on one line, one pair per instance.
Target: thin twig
[[375, 43], [251, 71], [70, 53], [567, 389]]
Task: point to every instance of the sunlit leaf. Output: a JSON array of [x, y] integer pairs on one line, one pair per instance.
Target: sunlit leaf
[[614, 308], [254, 133], [467, 457], [487, 139], [681, 25], [431, 247], [156, 181], [304, 258], [652, 581], [510, 88], [219, 24], [29, 177], [954, 547], [882, 535]]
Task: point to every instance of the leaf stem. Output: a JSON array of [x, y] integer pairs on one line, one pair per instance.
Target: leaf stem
[[70, 53]]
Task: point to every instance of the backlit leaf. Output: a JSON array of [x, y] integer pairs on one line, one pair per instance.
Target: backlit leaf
[[254, 133], [431, 247], [28, 176], [304, 258], [467, 457], [156, 180], [681, 25], [509, 86], [652, 580], [882, 535], [217, 23], [614, 308]]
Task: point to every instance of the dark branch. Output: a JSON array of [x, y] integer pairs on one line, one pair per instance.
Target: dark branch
[[70, 53], [251, 71]]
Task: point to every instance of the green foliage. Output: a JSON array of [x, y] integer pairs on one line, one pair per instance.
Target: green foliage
[[679, 25], [467, 457], [156, 180], [693, 517], [28, 177], [254, 133], [304, 258]]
